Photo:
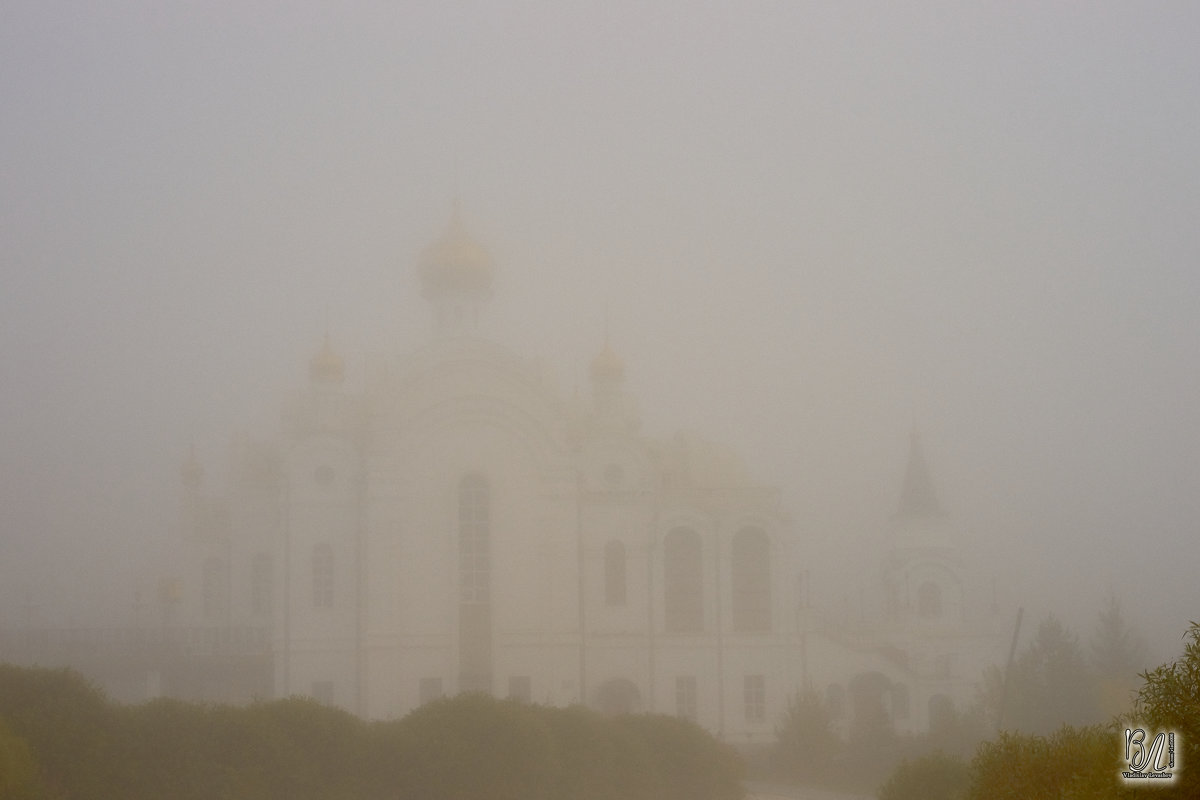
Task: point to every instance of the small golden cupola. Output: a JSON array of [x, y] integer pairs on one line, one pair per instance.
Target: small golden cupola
[[614, 407], [456, 264], [607, 367], [326, 367]]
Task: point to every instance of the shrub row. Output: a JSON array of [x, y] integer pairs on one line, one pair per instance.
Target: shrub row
[[471, 747]]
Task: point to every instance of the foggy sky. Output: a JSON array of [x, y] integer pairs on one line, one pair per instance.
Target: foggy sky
[[813, 226]]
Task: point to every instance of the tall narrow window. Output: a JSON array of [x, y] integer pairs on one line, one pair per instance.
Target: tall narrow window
[[835, 701], [755, 696], [900, 701], [214, 587], [520, 688], [429, 689], [685, 697], [614, 573], [474, 550], [322, 572], [474, 582], [260, 584], [929, 600], [683, 606], [751, 567]]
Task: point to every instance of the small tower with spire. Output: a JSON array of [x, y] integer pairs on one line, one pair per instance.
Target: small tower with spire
[[456, 278], [325, 405], [614, 407], [923, 566], [918, 500]]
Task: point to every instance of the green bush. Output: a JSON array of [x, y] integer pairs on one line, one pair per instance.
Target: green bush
[[471, 747], [805, 743], [1170, 700], [67, 724], [690, 764], [936, 776], [19, 776], [1070, 763]]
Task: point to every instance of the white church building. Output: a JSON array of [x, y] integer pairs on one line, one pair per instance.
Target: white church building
[[457, 525]]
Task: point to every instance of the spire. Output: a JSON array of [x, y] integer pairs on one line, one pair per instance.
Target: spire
[[917, 497], [607, 368]]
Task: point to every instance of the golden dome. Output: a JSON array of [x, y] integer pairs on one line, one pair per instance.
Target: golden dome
[[607, 366], [456, 262], [191, 472], [326, 366], [170, 590]]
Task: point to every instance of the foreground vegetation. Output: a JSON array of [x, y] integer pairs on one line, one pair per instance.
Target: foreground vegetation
[[61, 739], [1074, 762], [1035, 755]]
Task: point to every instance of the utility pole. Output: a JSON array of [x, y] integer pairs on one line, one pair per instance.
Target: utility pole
[[1012, 651]]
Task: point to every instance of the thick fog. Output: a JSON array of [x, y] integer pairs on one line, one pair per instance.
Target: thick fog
[[808, 228]]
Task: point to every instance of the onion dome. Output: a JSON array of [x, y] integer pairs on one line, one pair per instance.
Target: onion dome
[[607, 366], [170, 590], [456, 263], [191, 472], [326, 366]]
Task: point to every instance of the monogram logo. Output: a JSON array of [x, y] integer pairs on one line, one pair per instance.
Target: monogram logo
[[1149, 761]]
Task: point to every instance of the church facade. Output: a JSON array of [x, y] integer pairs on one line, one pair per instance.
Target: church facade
[[456, 525]]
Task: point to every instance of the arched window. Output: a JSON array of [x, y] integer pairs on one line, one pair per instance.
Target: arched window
[[901, 705], [322, 572], [214, 587], [751, 568], [835, 701], [473, 540], [474, 585], [683, 606], [614, 573], [929, 600], [260, 584]]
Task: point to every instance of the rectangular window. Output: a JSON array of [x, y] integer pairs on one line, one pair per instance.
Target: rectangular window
[[260, 584], [322, 692], [322, 566], [430, 689], [474, 547], [900, 701], [614, 574], [520, 688], [755, 695], [685, 697]]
